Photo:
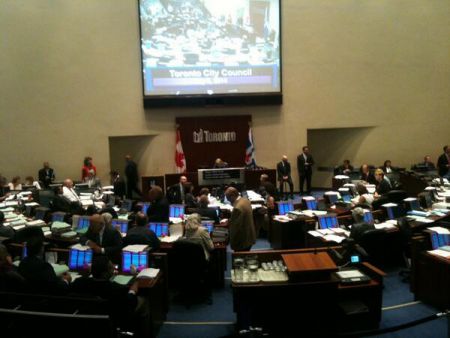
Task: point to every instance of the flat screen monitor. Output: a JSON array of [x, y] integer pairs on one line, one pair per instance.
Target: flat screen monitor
[[439, 240], [40, 213], [58, 216], [412, 204], [127, 205], [176, 211], [347, 198], [368, 217], [285, 207], [145, 207], [208, 52], [332, 198], [83, 223], [311, 204], [160, 229], [120, 224], [209, 225], [138, 259], [80, 259], [328, 221]]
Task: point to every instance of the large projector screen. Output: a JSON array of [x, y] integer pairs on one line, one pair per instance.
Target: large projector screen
[[210, 52]]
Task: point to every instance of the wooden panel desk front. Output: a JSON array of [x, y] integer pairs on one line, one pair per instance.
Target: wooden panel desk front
[[269, 304]]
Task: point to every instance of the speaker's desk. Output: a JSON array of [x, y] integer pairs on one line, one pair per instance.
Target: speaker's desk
[[322, 305]]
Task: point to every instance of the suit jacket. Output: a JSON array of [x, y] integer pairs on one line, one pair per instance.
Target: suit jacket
[[383, 187], [158, 211], [44, 178], [40, 276], [175, 194], [442, 165], [208, 213], [111, 242], [302, 167], [283, 169], [142, 235], [119, 186], [241, 227], [369, 178], [131, 172], [359, 229]]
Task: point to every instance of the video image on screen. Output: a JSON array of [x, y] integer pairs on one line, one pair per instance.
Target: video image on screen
[[210, 47]]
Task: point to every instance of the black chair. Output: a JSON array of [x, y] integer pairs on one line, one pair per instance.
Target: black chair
[[405, 239], [190, 272], [25, 234], [374, 243], [397, 196]]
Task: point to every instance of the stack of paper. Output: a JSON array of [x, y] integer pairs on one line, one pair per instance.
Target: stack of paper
[[440, 253], [148, 273], [135, 248]]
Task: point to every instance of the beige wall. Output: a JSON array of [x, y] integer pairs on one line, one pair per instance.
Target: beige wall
[[70, 79]]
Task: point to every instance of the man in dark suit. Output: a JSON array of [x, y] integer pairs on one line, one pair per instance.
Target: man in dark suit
[[38, 274], [383, 186], [443, 163], [132, 175], [141, 234], [46, 175], [359, 227], [304, 166], [204, 211], [266, 188], [159, 209], [118, 183], [175, 193], [240, 225], [284, 175], [102, 240]]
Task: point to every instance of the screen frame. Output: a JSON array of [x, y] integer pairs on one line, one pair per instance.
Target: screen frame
[[205, 100]]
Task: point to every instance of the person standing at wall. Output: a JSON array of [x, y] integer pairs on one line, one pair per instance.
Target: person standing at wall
[[305, 163]]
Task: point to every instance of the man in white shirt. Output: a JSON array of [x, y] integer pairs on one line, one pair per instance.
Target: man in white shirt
[[69, 192]]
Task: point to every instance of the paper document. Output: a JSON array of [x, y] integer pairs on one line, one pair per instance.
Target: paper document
[[440, 253], [148, 273], [315, 233], [32, 204], [122, 279], [80, 247], [135, 248], [170, 239], [59, 268], [440, 230], [349, 274], [334, 238], [389, 205]]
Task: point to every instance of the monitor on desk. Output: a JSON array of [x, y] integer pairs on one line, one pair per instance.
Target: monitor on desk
[[439, 240], [394, 211], [138, 259], [120, 224], [145, 207], [309, 203], [160, 229], [347, 198], [209, 225], [426, 200], [127, 205], [328, 221], [412, 204], [80, 259], [331, 197], [285, 207], [368, 217], [83, 223], [176, 211], [58, 216], [40, 213]]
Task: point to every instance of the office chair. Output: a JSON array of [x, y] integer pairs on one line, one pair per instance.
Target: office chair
[[374, 243], [397, 196], [25, 234], [190, 272]]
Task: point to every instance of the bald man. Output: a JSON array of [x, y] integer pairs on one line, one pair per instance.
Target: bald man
[[102, 240], [69, 192], [284, 175], [240, 224]]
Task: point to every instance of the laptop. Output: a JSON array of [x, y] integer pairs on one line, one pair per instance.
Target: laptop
[[209, 225], [328, 221], [160, 229]]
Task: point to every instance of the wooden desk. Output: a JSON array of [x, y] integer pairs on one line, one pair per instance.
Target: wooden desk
[[318, 304], [290, 235]]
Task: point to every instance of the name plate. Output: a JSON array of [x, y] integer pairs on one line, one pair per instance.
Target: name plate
[[220, 176]]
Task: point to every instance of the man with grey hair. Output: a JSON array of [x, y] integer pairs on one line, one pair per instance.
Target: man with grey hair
[[284, 175], [240, 225], [360, 227]]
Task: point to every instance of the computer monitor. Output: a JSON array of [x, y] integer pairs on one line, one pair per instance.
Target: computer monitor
[[426, 200], [310, 204], [368, 217], [138, 259], [394, 212], [80, 259], [127, 205], [145, 207], [439, 240], [285, 207], [83, 223], [347, 198], [120, 224], [209, 225], [328, 221], [412, 204], [160, 229], [176, 211], [40, 213], [331, 198], [58, 216]]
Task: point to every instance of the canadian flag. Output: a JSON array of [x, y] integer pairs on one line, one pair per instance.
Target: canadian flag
[[180, 160]]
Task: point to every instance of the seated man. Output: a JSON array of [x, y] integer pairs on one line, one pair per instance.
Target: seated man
[[141, 234], [383, 185], [219, 163], [5, 230], [68, 192], [345, 169], [427, 163], [204, 211], [123, 303], [266, 187], [10, 280], [102, 240], [38, 274], [159, 208], [359, 227]]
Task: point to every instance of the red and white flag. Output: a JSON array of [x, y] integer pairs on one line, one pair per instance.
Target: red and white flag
[[180, 160]]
